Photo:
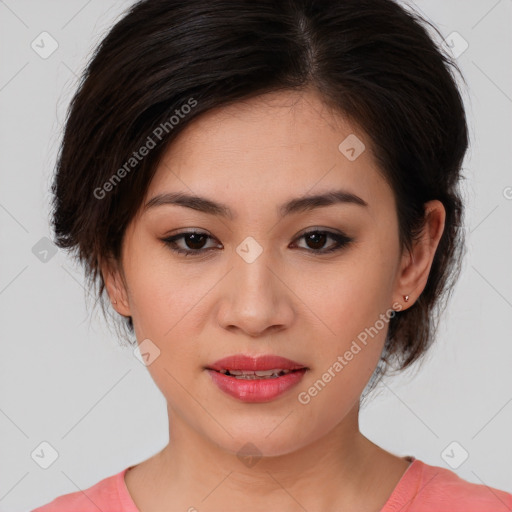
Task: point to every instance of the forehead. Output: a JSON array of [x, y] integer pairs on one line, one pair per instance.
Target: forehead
[[273, 146]]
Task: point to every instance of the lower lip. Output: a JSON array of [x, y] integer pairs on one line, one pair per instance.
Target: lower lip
[[257, 390]]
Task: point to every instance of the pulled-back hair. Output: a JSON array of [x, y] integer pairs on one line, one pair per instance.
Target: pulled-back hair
[[166, 62]]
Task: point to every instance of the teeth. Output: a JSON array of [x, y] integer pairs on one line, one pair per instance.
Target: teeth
[[268, 373], [248, 374], [255, 377]]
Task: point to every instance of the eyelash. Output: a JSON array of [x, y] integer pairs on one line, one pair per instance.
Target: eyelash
[[341, 242]]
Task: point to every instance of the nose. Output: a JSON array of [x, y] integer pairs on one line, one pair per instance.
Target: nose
[[255, 299]]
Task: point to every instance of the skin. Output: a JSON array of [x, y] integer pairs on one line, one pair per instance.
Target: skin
[[253, 156]]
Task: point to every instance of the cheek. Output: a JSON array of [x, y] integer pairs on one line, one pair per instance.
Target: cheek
[[352, 306], [345, 355], [350, 298], [163, 294], [169, 308]]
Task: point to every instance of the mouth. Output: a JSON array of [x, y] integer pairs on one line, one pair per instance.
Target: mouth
[[256, 379], [260, 374], [262, 366]]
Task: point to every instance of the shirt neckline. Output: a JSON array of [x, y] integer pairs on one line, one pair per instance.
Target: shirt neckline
[[406, 488], [403, 492]]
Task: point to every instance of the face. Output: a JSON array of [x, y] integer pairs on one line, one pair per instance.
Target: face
[[309, 282]]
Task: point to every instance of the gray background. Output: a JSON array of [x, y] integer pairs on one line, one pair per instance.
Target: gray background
[[65, 380]]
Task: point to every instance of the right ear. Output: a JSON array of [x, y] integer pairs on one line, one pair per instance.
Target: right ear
[[115, 286]]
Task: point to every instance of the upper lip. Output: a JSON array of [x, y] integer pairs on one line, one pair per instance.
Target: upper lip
[[255, 363]]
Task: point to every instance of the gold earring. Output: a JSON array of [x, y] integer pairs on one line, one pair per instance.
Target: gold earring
[[406, 298]]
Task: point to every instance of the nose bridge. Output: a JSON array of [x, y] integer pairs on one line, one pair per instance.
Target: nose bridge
[[255, 299], [254, 280]]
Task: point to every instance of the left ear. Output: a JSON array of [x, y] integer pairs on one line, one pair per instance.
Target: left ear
[[416, 264]]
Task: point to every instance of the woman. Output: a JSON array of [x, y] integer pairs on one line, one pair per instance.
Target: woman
[[267, 192]]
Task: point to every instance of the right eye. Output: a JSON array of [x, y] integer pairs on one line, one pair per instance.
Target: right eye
[[194, 243]]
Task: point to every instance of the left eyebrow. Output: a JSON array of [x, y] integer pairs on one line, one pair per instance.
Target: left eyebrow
[[293, 206], [307, 203]]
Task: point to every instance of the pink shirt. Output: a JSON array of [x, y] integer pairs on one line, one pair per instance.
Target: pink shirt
[[422, 488]]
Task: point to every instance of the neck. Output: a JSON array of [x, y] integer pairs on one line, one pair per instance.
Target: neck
[[335, 472]]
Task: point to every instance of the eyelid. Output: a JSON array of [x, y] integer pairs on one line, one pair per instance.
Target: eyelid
[[341, 241], [320, 229]]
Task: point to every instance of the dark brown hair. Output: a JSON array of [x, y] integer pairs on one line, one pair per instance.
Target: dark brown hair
[[372, 60]]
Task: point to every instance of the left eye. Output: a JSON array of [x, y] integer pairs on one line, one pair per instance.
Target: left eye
[[318, 240], [195, 241]]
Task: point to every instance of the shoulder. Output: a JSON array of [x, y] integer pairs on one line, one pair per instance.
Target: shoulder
[[103, 495], [440, 489]]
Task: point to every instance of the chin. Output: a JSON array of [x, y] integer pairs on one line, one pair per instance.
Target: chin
[[261, 439]]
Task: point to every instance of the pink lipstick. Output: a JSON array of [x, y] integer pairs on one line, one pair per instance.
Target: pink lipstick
[[256, 379]]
